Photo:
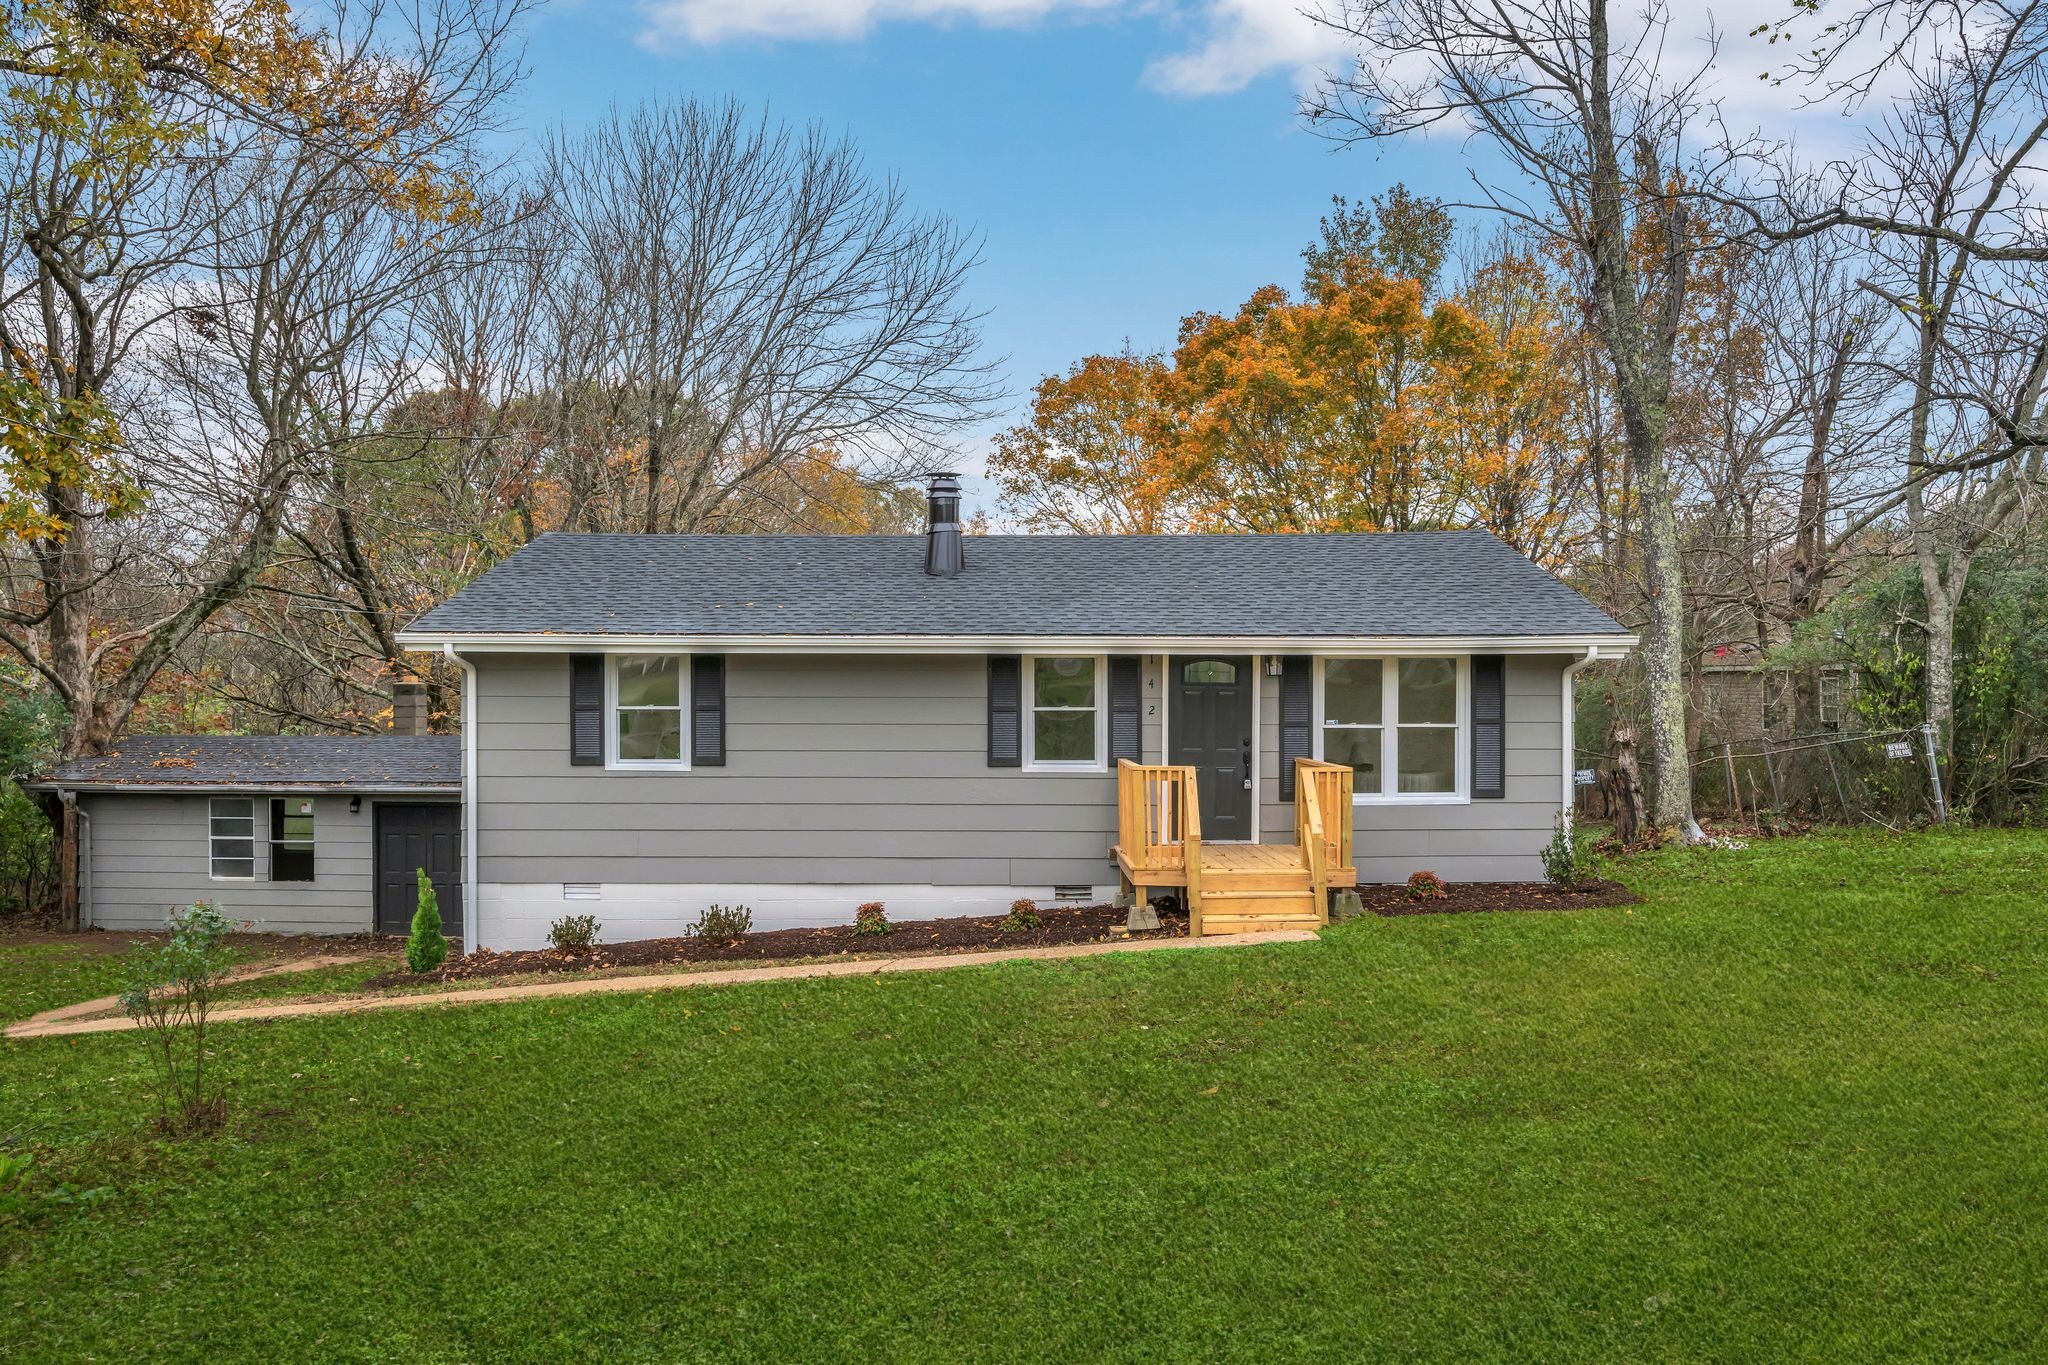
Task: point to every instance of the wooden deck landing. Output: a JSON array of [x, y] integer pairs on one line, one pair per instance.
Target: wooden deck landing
[[1235, 888]]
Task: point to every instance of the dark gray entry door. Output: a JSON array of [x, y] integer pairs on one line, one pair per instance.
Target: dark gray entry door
[[410, 837], [1210, 719]]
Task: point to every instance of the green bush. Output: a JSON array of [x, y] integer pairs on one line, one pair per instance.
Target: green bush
[[170, 995], [1023, 915], [573, 933], [427, 948], [872, 918], [1567, 860], [722, 921]]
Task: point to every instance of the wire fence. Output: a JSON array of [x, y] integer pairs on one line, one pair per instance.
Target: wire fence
[[1874, 777]]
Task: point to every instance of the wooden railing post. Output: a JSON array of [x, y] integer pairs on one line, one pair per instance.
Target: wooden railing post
[[1192, 842]]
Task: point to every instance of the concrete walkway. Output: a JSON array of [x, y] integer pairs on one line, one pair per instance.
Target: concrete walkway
[[48, 1025], [32, 1025]]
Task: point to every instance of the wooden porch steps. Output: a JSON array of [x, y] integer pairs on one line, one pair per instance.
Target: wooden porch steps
[[1235, 888], [1250, 887]]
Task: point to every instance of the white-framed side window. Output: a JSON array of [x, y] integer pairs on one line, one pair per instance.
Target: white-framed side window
[[1401, 724], [1066, 712], [231, 838], [647, 705]]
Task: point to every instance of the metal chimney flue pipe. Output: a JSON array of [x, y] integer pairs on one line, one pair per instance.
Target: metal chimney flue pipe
[[943, 555]]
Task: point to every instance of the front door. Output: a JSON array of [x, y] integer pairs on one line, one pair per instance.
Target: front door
[[1211, 724], [410, 837]]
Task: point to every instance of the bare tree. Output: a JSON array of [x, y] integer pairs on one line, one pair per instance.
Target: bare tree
[[734, 295], [1599, 134], [215, 301], [1941, 200]]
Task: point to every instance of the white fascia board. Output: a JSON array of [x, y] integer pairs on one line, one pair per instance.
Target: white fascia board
[[1608, 646]]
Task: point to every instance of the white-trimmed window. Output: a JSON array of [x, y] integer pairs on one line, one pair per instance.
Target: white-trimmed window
[[1065, 714], [231, 838], [647, 700], [1399, 723]]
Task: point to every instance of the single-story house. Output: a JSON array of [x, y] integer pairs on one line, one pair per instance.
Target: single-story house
[[654, 724], [296, 833]]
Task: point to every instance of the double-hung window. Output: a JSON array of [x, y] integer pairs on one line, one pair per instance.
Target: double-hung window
[[649, 697], [1399, 723], [1064, 714], [231, 838]]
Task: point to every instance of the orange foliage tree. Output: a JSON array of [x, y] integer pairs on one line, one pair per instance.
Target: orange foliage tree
[[1367, 403], [1094, 457]]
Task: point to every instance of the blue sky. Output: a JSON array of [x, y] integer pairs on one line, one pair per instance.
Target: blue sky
[[1126, 161], [1110, 206]]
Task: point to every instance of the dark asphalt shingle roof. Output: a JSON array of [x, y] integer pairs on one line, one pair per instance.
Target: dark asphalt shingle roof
[[329, 762], [1424, 583]]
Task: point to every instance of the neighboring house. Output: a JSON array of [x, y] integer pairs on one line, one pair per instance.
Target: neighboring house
[[298, 833], [1742, 701], [802, 723]]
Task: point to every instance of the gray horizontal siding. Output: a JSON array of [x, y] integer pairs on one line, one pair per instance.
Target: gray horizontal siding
[[149, 854], [874, 770], [869, 769], [1478, 841]]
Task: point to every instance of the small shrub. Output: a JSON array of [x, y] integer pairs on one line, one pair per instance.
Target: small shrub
[[171, 996], [573, 933], [427, 948], [1426, 886], [722, 921], [871, 918], [1567, 860], [1023, 915]]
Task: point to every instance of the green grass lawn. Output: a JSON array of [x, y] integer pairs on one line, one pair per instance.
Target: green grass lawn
[[1795, 1105]]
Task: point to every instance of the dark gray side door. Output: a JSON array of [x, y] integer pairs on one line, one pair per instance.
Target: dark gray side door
[[1210, 720], [411, 836]]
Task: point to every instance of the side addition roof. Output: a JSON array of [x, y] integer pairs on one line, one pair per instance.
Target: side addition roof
[[1422, 585], [351, 763]]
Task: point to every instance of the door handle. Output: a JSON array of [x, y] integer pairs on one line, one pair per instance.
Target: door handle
[[1247, 765]]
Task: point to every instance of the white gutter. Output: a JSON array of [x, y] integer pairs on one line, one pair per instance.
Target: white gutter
[[1610, 646], [1571, 752], [470, 909]]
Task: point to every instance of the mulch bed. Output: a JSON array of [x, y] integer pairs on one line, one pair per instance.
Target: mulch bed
[[1062, 924], [1467, 897]]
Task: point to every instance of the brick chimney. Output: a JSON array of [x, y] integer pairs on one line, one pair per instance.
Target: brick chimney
[[409, 707]]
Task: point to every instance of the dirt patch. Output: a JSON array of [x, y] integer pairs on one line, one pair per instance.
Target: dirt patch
[[1467, 897], [1061, 925]]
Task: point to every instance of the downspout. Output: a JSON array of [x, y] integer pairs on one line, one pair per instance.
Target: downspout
[[1571, 752], [471, 911]]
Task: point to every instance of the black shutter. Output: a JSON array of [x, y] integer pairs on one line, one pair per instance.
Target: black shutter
[[1005, 702], [1297, 721], [1489, 727], [707, 710], [586, 710], [1125, 705]]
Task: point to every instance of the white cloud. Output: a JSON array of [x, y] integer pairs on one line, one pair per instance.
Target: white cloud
[[1243, 40], [1216, 47], [712, 21]]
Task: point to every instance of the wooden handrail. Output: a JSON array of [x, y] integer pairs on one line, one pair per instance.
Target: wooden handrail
[[1159, 827], [1326, 788], [1194, 854], [1315, 849], [1155, 814]]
